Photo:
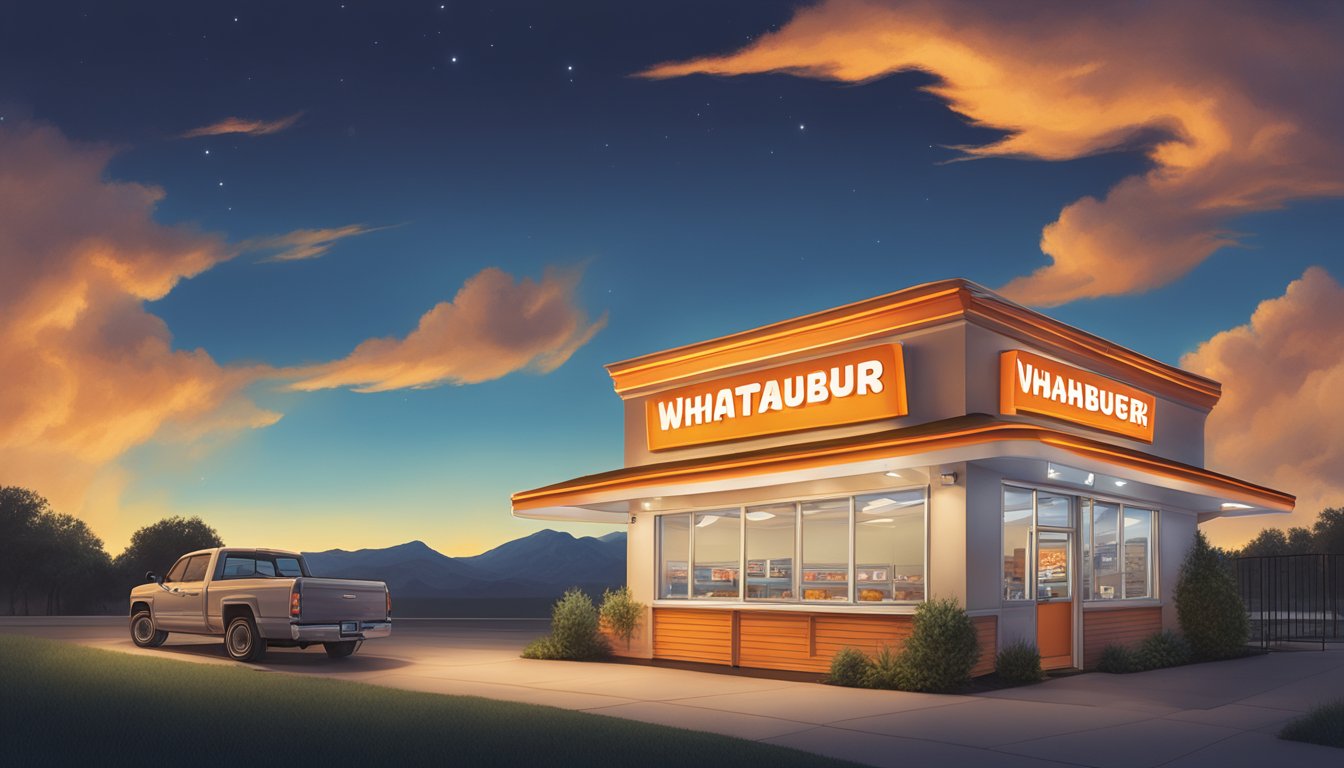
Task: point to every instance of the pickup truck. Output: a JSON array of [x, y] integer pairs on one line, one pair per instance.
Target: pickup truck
[[258, 597]]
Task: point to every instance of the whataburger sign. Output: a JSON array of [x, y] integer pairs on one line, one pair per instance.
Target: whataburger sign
[[1033, 384], [862, 385]]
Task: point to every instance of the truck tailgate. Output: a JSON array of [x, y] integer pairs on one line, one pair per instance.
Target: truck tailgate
[[327, 601]]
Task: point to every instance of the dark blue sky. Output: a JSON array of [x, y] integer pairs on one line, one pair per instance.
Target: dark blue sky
[[700, 206]]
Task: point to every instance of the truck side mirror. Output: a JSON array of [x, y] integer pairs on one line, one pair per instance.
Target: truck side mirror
[[149, 576]]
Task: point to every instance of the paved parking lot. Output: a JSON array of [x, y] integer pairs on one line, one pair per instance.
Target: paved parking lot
[[1223, 714]]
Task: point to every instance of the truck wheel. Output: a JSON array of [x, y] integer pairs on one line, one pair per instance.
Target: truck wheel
[[242, 640], [143, 632], [341, 650]]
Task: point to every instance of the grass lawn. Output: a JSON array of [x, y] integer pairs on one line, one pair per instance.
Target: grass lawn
[[66, 704], [1322, 725]]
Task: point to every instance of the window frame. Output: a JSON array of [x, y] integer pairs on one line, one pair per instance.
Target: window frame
[[1084, 531], [797, 602]]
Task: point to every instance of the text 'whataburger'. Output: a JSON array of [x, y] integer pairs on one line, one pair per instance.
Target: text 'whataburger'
[[1036, 384], [860, 385], [854, 379]]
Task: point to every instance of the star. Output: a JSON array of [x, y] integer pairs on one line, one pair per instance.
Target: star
[[221, 183], [207, 151], [802, 127], [454, 59]]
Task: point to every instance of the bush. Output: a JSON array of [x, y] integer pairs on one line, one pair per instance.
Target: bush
[[942, 649], [886, 671], [621, 613], [1118, 660], [574, 631], [850, 667], [1163, 649], [1209, 606], [1019, 664], [1322, 725]]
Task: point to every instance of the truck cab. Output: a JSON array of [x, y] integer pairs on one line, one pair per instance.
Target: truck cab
[[258, 597]]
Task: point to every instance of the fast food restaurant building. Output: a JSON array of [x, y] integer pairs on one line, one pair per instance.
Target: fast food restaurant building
[[798, 488]]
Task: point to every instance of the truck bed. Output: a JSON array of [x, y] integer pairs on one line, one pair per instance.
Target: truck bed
[[328, 601]]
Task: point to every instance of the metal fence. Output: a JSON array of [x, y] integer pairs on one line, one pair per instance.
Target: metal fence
[[1293, 598]]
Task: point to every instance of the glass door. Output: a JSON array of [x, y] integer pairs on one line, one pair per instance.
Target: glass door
[[1054, 598]]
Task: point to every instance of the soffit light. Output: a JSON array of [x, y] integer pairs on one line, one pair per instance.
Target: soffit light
[[1236, 505], [879, 520], [1070, 474]]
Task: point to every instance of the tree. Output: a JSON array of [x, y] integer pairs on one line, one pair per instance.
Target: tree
[[49, 563], [156, 547], [1300, 541], [1328, 532], [1270, 541], [20, 509], [1208, 605]]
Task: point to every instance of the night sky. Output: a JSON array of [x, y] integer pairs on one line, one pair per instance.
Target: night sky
[[448, 139]]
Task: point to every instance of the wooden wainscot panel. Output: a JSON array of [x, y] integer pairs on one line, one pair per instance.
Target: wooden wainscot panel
[[1126, 626], [681, 634], [777, 640], [987, 635]]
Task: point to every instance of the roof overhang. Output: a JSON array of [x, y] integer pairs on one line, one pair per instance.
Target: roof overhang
[[607, 497]]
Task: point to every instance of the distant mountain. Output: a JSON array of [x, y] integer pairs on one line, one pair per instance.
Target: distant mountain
[[541, 565]]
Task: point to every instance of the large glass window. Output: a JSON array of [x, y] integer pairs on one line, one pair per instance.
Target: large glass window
[[1017, 517], [798, 551], [1116, 546], [1106, 579], [674, 547], [826, 549], [717, 541], [771, 533], [889, 547], [1138, 558]]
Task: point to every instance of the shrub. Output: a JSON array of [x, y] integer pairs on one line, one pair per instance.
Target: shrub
[[1163, 649], [621, 613], [850, 667], [574, 631], [1209, 607], [886, 671], [1322, 725], [1117, 659], [941, 651], [1019, 664]]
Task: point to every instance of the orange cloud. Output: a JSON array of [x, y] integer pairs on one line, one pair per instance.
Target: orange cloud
[[243, 125], [88, 373], [492, 327], [1233, 120], [305, 243], [1281, 419]]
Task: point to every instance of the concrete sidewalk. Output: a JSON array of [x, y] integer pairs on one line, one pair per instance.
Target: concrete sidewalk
[[1224, 714]]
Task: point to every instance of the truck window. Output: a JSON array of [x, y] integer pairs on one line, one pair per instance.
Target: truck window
[[195, 570], [265, 567], [289, 566], [239, 567], [175, 573]]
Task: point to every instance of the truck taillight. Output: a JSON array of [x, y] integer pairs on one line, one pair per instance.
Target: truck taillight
[[294, 604], [389, 603]]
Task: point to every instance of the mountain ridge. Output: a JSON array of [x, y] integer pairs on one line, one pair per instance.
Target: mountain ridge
[[540, 565]]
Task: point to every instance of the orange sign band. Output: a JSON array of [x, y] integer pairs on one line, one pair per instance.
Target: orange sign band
[[862, 385], [1029, 383]]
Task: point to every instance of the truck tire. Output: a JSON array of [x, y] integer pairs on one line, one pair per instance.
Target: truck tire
[[342, 649], [143, 632], [242, 640]]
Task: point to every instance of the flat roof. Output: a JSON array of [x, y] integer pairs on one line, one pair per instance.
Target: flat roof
[[905, 310]]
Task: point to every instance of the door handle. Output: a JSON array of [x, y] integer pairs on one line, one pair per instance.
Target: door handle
[[189, 594]]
